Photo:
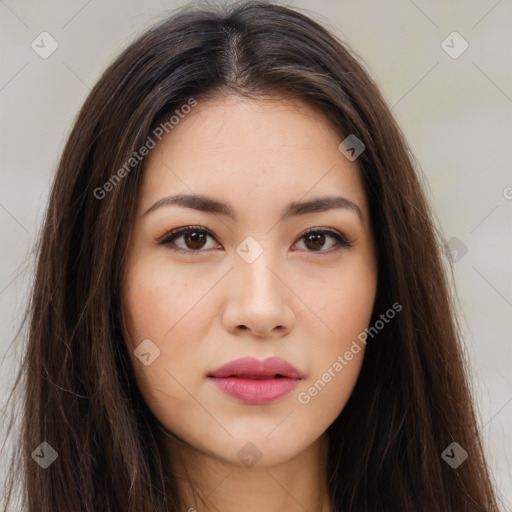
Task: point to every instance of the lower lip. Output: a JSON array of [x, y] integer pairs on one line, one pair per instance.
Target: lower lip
[[255, 391]]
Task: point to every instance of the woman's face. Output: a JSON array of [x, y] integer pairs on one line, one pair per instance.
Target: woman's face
[[248, 281]]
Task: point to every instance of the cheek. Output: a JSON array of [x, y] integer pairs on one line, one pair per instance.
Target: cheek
[[160, 307], [345, 305], [335, 365], [325, 394]]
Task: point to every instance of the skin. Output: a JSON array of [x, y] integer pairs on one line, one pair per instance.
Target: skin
[[299, 300]]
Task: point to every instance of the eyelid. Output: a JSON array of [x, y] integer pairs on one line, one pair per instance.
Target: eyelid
[[176, 233], [343, 241], [183, 229], [322, 230]]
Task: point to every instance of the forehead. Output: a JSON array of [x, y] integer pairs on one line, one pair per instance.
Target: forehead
[[253, 151], [228, 122]]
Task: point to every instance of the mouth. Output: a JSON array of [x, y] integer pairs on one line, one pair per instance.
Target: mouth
[[252, 381]]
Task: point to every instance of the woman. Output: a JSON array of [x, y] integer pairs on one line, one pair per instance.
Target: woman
[[240, 301]]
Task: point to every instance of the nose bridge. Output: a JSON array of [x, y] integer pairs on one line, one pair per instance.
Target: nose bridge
[[258, 299], [257, 264]]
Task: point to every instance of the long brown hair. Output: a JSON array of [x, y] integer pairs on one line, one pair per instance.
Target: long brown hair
[[412, 399]]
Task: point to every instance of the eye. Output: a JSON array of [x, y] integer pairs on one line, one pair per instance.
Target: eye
[[315, 239], [194, 238]]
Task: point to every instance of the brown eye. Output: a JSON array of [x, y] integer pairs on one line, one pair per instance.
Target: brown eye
[[194, 240], [315, 240]]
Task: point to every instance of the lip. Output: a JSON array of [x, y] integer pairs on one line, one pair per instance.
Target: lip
[[253, 381]]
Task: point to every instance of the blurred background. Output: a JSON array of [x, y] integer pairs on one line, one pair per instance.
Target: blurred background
[[444, 67]]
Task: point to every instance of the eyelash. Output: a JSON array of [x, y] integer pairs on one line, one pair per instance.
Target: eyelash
[[173, 235]]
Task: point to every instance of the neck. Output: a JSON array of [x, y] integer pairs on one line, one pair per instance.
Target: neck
[[207, 483]]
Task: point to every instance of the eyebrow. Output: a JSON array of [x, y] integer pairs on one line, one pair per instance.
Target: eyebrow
[[209, 205]]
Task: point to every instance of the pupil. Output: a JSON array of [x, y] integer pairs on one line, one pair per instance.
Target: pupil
[[319, 238], [194, 240]]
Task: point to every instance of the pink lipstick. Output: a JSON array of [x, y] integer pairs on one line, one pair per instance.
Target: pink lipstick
[[252, 381]]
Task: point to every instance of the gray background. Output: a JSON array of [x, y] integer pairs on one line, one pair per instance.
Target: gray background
[[456, 114]]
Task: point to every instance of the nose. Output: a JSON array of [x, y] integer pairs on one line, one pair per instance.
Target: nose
[[259, 300]]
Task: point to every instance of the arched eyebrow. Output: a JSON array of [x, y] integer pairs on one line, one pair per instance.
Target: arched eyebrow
[[209, 205]]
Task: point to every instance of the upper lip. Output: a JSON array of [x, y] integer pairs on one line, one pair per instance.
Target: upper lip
[[251, 367]]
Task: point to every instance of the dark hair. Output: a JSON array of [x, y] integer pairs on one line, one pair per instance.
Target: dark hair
[[412, 398]]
